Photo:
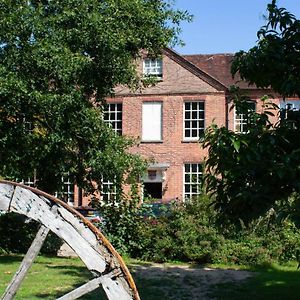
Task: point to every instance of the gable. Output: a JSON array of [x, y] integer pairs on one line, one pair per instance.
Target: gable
[[178, 78]]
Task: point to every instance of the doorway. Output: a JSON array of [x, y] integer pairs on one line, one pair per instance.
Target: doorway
[[153, 190]]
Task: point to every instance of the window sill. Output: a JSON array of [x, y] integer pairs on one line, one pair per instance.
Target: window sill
[[152, 142], [153, 78], [191, 141]]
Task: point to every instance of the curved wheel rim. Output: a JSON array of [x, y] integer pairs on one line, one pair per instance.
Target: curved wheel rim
[[105, 262]]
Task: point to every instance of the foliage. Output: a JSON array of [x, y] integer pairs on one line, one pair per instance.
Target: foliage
[[189, 232], [183, 234], [121, 219], [17, 233], [248, 173], [59, 60], [274, 62]]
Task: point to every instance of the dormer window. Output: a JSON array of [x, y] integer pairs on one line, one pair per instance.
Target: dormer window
[[153, 67]]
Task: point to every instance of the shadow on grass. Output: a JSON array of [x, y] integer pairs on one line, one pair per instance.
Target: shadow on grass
[[10, 258], [72, 270], [180, 281], [164, 281], [51, 273], [271, 282]]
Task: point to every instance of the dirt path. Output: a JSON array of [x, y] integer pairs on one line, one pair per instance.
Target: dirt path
[[168, 282]]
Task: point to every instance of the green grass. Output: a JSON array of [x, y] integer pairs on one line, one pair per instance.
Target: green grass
[[48, 278], [51, 277], [270, 282]]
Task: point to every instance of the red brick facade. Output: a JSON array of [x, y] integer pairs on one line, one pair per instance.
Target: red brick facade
[[184, 79]]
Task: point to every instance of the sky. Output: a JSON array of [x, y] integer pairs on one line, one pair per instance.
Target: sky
[[225, 26]]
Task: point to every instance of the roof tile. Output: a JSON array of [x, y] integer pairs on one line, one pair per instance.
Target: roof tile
[[218, 66]]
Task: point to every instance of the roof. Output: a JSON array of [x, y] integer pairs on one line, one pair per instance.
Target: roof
[[218, 66], [181, 60]]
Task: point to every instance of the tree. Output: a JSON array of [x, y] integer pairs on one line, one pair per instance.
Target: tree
[[59, 60], [248, 174], [275, 61]]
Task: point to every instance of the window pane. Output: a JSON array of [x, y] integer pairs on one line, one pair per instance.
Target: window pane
[[194, 105], [200, 132], [187, 105], [201, 124], [187, 188], [194, 133], [187, 167], [187, 133]]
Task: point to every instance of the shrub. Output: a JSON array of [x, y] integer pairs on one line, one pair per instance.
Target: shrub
[[189, 232], [17, 233]]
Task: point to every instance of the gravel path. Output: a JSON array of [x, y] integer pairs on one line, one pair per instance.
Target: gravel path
[[168, 282]]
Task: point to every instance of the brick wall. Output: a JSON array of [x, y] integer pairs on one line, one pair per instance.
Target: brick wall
[[177, 86]]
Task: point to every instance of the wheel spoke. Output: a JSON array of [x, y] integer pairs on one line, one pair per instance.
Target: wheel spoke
[[28, 260], [91, 246], [83, 289]]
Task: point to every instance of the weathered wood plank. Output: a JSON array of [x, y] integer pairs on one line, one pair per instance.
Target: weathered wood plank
[[83, 290], [115, 288], [96, 253], [28, 260], [6, 192], [111, 286], [81, 228], [26, 202]]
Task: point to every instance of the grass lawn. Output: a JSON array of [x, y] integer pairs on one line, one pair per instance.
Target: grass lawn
[[270, 282], [51, 277], [48, 278]]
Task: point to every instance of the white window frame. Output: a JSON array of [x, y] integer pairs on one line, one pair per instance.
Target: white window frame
[[240, 122], [152, 121], [113, 115], [66, 192], [108, 191], [30, 181], [197, 123], [153, 67], [192, 179]]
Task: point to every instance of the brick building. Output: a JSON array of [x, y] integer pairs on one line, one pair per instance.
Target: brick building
[[168, 118]]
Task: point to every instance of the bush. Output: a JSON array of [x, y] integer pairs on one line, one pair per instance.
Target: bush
[[186, 234], [17, 233], [189, 232]]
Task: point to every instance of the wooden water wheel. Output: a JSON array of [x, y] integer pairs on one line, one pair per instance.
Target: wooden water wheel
[[98, 255]]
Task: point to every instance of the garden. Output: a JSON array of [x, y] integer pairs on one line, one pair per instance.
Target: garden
[[240, 239], [181, 254]]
